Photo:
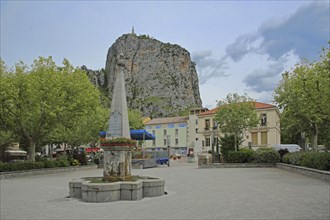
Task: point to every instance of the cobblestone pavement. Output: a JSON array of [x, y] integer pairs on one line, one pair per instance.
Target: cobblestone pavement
[[192, 193]]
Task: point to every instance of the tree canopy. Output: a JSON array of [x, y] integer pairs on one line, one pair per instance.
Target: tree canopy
[[135, 119], [304, 97], [46, 103], [235, 114]]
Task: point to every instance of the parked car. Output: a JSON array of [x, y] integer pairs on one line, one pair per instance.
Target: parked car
[[290, 147]]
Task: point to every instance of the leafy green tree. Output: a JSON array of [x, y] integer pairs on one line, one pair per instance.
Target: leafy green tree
[[236, 114], [46, 103], [227, 144], [304, 97], [135, 119]]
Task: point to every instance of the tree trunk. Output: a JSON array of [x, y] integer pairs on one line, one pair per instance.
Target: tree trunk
[[315, 137], [32, 150], [235, 139]]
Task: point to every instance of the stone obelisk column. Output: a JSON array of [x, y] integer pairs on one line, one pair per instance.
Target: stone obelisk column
[[118, 158]]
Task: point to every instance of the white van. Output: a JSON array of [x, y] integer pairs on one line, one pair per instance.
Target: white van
[[290, 147]]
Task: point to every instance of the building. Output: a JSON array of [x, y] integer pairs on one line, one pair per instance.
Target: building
[[266, 134], [194, 141], [171, 131]]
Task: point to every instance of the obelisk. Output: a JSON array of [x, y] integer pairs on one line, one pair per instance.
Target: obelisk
[[118, 158], [118, 125]]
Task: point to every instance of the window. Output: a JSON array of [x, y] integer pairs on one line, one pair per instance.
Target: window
[[165, 132], [176, 132], [176, 141], [207, 124], [215, 139], [264, 138], [263, 118], [203, 143], [165, 142], [215, 125], [207, 141], [196, 130], [196, 121], [196, 139], [254, 136]]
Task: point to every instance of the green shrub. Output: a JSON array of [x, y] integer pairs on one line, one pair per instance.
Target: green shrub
[[294, 158], [266, 155], [316, 160], [4, 167], [80, 156], [49, 164], [27, 165], [62, 161], [39, 165], [20, 165], [241, 156], [282, 152], [250, 153], [227, 144], [75, 162]]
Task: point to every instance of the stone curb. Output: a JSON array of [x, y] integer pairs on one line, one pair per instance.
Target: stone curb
[[13, 174], [319, 174], [236, 165]]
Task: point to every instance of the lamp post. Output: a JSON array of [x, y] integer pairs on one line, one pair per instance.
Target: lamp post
[[168, 141]]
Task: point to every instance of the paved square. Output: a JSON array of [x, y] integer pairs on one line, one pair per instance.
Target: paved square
[[228, 193]]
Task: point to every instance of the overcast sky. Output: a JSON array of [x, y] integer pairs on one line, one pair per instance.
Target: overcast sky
[[239, 46]]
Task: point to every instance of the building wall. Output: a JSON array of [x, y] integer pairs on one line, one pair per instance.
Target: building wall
[[271, 129], [206, 132], [177, 135]]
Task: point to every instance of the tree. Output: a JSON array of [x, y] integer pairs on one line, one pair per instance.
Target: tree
[[227, 144], [44, 103], [304, 97], [236, 114], [135, 119]]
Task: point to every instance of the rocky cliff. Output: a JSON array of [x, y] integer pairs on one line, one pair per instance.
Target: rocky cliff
[[161, 80]]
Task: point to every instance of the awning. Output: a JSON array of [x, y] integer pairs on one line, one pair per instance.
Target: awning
[[136, 135], [94, 149], [142, 135], [16, 152]]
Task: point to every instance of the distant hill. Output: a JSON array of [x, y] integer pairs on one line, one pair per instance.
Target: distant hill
[[161, 80]]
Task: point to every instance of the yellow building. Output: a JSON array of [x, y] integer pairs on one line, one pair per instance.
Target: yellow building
[[266, 134]]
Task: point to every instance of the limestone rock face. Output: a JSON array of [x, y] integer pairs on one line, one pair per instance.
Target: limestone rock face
[[161, 80], [97, 77]]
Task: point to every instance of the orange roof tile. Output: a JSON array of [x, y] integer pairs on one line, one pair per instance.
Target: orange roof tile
[[258, 105], [168, 120]]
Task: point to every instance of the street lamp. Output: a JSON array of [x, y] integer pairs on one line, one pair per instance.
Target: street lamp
[[168, 141]]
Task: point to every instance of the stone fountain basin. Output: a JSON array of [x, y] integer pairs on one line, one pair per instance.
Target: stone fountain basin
[[87, 191]]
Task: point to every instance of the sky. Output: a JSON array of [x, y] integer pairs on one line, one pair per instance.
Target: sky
[[238, 46]]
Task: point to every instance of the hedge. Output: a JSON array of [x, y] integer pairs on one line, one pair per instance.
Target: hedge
[[266, 155], [29, 165], [315, 160], [241, 156], [20, 165], [262, 155]]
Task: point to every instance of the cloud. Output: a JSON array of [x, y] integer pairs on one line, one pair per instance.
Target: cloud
[[301, 35], [242, 46], [264, 80], [305, 32], [209, 67]]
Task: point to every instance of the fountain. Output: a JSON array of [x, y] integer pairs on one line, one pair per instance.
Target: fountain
[[117, 182]]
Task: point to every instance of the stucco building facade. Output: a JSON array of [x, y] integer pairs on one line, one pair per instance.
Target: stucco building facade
[[266, 134]]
